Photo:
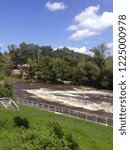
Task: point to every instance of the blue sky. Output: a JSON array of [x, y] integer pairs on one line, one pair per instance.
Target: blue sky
[[77, 24]]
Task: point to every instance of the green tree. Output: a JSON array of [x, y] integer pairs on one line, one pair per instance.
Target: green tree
[[92, 72], [107, 74], [100, 53], [79, 73], [45, 69], [63, 63], [33, 72]]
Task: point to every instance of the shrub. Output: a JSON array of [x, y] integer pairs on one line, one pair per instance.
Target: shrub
[[3, 123], [21, 122], [55, 129], [57, 139], [6, 89], [71, 142]]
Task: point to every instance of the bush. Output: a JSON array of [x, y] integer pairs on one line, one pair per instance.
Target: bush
[[71, 142], [3, 123], [56, 139], [55, 129], [21, 122], [6, 89]]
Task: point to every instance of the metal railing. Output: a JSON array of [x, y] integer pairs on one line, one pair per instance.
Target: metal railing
[[5, 102], [67, 111]]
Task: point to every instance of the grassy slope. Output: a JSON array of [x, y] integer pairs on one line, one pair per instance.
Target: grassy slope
[[90, 136]]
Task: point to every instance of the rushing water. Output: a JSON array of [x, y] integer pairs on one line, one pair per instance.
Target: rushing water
[[83, 98]]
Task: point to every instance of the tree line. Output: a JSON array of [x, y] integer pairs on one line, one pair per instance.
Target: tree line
[[64, 64]]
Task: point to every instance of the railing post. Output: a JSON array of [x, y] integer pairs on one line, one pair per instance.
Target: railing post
[[96, 119], [106, 121], [86, 116], [77, 114], [61, 110], [48, 107], [42, 105], [69, 112], [55, 109]]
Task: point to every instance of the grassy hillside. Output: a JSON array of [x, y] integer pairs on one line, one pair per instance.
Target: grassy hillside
[[90, 136]]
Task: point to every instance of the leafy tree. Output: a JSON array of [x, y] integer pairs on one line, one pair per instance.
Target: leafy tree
[[100, 54], [79, 73], [6, 89], [45, 68], [34, 68], [107, 74], [92, 72], [46, 51], [63, 63]]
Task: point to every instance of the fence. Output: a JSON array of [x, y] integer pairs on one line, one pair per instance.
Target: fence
[[8, 103], [66, 111]]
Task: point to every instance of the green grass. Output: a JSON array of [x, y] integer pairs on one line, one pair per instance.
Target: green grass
[[90, 136]]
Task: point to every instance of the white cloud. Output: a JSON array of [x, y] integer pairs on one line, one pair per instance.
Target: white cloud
[[53, 6], [109, 45], [75, 49], [89, 23], [80, 50]]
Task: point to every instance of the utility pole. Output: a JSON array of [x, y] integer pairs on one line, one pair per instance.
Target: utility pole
[[38, 55]]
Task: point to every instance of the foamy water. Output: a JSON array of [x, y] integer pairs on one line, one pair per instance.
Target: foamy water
[[75, 98]]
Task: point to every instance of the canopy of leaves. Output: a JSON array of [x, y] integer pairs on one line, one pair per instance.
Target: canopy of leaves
[[6, 89], [47, 64]]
